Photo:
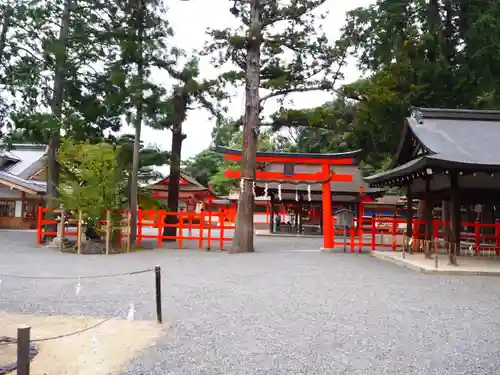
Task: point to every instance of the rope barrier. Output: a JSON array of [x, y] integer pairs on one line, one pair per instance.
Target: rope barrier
[[118, 312], [75, 277]]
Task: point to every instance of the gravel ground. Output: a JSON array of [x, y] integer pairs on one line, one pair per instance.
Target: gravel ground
[[279, 311]]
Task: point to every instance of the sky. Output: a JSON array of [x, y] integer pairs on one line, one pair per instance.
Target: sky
[[190, 21]]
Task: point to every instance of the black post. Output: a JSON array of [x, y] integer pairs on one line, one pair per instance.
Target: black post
[[23, 351], [158, 294]]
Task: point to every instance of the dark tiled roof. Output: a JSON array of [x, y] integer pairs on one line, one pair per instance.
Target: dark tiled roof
[[350, 154], [468, 139]]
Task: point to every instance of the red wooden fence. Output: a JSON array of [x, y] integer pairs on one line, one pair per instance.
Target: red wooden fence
[[214, 229]]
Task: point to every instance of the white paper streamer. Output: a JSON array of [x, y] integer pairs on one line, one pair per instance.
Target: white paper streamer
[[253, 189], [296, 195], [279, 191], [309, 192], [242, 185], [131, 312], [95, 345], [410, 241], [266, 188], [78, 287]]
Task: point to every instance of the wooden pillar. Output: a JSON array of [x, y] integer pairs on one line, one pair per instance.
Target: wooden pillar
[[327, 211], [271, 214], [428, 218], [454, 219], [409, 211]]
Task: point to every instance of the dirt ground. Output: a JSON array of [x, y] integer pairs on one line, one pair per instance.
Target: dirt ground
[[101, 351]]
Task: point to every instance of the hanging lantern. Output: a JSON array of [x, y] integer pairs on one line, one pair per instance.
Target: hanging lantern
[[279, 191], [309, 192], [266, 187], [242, 185]]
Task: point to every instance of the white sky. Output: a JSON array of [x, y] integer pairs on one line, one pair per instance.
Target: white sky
[[190, 20]]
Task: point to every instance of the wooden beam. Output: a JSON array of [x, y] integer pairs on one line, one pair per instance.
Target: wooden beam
[[277, 176], [17, 187], [295, 160]]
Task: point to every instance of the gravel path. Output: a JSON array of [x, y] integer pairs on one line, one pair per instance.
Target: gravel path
[[276, 311]]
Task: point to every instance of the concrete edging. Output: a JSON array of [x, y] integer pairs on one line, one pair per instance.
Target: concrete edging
[[432, 271]]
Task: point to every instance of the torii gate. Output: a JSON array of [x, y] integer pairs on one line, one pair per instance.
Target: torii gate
[[325, 175]]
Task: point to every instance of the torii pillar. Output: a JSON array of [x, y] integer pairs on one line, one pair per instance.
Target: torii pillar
[[327, 210]]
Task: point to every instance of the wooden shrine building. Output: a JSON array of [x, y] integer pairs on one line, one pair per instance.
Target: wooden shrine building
[[192, 194], [308, 181], [448, 158]]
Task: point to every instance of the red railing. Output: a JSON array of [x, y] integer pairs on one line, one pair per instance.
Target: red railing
[[211, 227], [389, 232]]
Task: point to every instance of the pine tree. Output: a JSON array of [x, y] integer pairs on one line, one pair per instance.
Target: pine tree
[[279, 49]]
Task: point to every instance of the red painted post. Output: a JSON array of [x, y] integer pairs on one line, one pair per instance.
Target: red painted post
[[360, 230], [160, 229], [209, 240], [415, 233], [352, 238], [139, 227], [477, 232], [393, 230], [39, 225], [497, 237], [180, 235], [326, 193], [374, 235], [221, 230], [202, 219]]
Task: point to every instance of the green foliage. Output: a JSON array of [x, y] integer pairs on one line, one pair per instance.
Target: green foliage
[[91, 177], [437, 53], [208, 166], [295, 54]]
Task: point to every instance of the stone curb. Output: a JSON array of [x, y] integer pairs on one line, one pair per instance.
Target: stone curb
[[433, 271]]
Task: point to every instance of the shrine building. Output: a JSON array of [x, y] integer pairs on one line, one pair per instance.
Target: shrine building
[[450, 159]]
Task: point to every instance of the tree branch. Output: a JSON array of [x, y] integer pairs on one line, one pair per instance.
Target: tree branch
[[291, 91]]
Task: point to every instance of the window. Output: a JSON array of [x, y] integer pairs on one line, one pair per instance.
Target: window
[[288, 169], [7, 208], [30, 209]]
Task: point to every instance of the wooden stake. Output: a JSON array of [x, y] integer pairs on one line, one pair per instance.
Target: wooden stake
[[108, 231], [79, 233]]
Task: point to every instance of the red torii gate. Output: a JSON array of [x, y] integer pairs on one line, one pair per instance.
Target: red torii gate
[[325, 177]]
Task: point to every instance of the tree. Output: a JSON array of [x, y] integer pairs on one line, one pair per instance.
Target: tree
[[189, 92], [92, 179], [280, 49], [441, 54]]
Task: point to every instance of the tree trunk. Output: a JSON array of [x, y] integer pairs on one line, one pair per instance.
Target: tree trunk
[[7, 13], [138, 124], [53, 167], [243, 236], [174, 179]]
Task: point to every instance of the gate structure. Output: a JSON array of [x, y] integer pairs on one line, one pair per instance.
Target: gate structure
[[307, 180]]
